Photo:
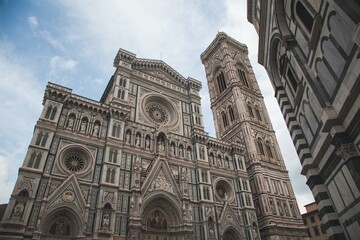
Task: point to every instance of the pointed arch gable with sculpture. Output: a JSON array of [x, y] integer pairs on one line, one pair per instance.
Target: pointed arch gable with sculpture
[[64, 215]]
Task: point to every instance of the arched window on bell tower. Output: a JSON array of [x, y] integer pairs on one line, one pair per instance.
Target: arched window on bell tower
[[224, 120], [251, 113], [221, 82], [243, 78], [260, 146], [231, 113]]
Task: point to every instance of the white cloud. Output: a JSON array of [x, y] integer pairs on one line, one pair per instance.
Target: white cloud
[[6, 185], [20, 101], [33, 22], [58, 64]]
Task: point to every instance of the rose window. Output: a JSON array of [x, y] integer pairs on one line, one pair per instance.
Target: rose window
[[157, 113], [75, 158], [74, 163], [224, 190]]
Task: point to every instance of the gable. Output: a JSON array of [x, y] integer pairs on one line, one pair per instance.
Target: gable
[[159, 72], [160, 178], [67, 194]]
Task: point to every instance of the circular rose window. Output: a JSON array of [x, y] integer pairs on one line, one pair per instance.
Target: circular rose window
[[74, 162], [76, 159], [224, 190], [157, 113], [160, 110]]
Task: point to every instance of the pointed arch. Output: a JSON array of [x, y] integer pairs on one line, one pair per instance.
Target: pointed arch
[[224, 120]]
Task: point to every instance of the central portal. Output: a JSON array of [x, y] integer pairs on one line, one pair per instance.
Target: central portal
[[162, 220]]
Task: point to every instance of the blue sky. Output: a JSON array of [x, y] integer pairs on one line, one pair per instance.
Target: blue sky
[[73, 43]]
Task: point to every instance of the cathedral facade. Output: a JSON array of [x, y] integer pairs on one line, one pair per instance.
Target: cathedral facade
[[310, 50], [138, 164]]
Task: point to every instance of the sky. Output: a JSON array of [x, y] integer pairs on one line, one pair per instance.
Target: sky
[[74, 42]]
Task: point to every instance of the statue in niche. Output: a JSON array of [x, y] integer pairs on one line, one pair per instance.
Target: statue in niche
[[181, 152], [211, 225], [161, 146], [147, 143], [137, 140], [96, 130], [83, 126], [106, 220], [255, 231], [128, 137], [189, 153], [70, 122]]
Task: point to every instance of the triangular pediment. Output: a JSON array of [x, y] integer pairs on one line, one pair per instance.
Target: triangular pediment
[[160, 178], [228, 218], [67, 194], [159, 71]]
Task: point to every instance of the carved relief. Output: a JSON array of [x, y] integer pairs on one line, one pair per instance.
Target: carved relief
[[161, 183]]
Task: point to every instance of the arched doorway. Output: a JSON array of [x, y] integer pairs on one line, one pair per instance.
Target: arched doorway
[[162, 220], [231, 234], [62, 223]]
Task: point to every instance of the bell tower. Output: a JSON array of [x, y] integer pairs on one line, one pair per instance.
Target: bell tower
[[240, 116]]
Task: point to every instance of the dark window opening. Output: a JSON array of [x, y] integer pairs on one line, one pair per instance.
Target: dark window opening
[[221, 82], [243, 78], [353, 165], [292, 80], [304, 16]]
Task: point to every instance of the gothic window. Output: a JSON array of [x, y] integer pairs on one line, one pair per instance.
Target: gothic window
[[221, 82], [251, 113], [173, 148], [122, 82], [291, 78], [260, 147], [202, 152], [113, 154], [224, 119], [248, 200], [116, 130], [41, 139], [258, 115], [245, 185], [50, 112], [304, 15], [231, 114], [268, 150], [121, 94], [110, 175], [203, 175], [206, 193], [34, 160], [243, 78]]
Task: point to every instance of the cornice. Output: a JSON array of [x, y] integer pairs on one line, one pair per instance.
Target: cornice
[[214, 45]]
